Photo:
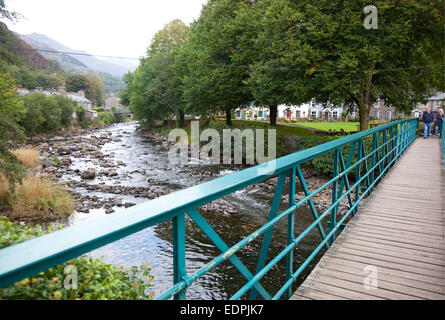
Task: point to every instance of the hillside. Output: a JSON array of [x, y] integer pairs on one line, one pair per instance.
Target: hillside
[[66, 61], [95, 64], [15, 51]]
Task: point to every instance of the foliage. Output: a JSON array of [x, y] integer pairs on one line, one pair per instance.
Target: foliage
[[154, 89], [209, 84], [96, 279], [12, 110], [76, 82], [106, 117], [47, 114], [95, 89], [324, 50]]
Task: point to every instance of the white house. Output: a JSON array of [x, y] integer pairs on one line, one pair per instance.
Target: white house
[[310, 110]]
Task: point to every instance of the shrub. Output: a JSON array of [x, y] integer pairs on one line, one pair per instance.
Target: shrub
[[96, 280], [106, 117], [38, 197], [28, 157]]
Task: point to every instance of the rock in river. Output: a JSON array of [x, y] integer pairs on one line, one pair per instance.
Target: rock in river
[[88, 174]]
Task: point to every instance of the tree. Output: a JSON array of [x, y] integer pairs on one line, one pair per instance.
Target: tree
[[211, 81], [76, 82], [10, 15], [330, 56], [95, 89], [155, 90], [67, 108], [12, 110]]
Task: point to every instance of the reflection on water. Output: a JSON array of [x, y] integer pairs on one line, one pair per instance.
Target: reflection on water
[[147, 165]]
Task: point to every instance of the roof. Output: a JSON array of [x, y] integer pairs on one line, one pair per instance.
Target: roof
[[78, 98]]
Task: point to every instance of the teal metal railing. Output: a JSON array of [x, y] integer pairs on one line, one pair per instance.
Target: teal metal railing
[[370, 154]]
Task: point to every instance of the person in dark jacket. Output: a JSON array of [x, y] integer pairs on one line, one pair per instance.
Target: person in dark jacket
[[439, 117], [428, 119]]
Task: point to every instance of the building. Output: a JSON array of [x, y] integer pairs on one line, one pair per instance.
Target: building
[[380, 111], [113, 101], [252, 112], [434, 102], [81, 101], [312, 110]]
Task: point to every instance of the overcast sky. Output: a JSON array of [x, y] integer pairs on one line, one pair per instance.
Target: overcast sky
[[121, 28]]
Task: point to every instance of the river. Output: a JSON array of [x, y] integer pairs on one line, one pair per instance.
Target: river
[[145, 164]]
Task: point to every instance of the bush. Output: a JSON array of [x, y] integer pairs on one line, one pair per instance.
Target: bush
[[96, 280], [38, 197], [106, 117], [324, 165]]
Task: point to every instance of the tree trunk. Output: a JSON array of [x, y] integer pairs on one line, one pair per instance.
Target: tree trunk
[[273, 115], [229, 117], [364, 112], [181, 118]]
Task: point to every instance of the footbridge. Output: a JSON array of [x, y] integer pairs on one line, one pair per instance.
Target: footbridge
[[389, 244]]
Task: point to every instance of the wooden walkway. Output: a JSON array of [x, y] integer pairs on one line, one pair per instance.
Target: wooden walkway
[[398, 232]]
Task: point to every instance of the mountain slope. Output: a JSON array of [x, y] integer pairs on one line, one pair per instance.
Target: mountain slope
[[12, 46], [93, 63], [67, 62]]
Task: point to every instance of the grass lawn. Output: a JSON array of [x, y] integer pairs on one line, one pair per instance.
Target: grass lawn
[[325, 126], [281, 129]]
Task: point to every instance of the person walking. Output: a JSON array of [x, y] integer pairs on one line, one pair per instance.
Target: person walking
[[439, 117], [428, 119]]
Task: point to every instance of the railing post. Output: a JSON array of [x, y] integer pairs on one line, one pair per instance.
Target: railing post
[[333, 220], [290, 230], [179, 267]]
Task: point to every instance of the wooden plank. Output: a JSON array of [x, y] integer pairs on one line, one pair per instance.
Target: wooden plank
[[312, 294], [400, 284], [427, 246], [382, 289], [394, 252], [398, 276], [434, 258], [396, 264]]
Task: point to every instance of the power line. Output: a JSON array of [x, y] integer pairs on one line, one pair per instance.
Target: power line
[[237, 66]]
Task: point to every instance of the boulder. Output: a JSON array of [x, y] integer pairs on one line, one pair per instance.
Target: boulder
[[88, 174]]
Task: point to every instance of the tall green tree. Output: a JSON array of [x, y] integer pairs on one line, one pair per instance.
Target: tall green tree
[[155, 90], [325, 52], [12, 110], [95, 89], [76, 82], [213, 81]]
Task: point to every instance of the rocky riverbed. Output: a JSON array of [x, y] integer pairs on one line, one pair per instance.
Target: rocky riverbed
[[100, 178]]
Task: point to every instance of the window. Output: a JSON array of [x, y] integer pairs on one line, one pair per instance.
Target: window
[[376, 114], [388, 115], [238, 114], [298, 114], [314, 114], [335, 114], [260, 114]]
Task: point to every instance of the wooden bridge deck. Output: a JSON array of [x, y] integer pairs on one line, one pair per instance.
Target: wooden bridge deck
[[399, 231]]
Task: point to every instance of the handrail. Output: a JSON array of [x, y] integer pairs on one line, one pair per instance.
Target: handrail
[[389, 141]]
